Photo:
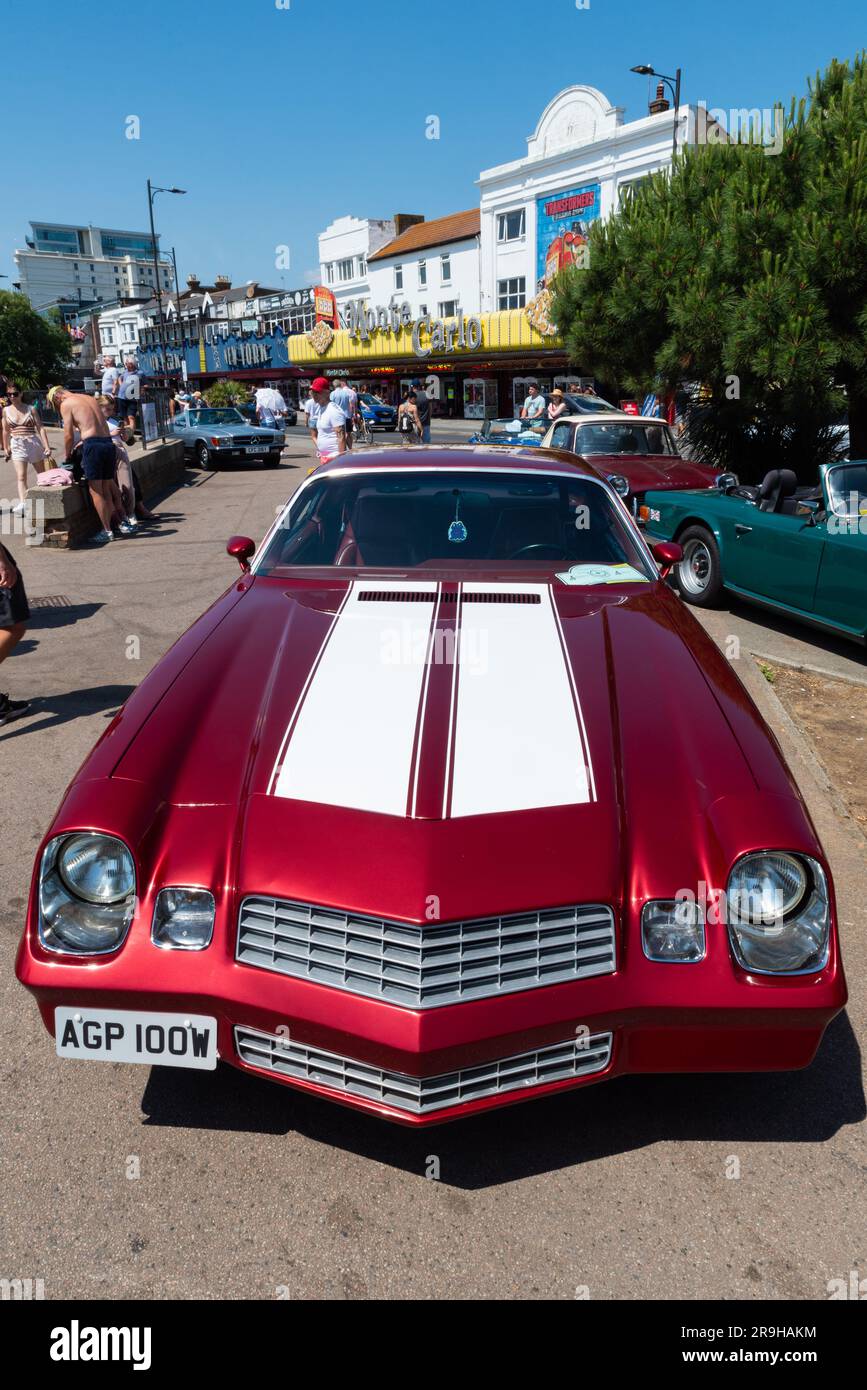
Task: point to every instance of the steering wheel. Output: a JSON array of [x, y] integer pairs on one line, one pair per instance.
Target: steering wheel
[[560, 552]]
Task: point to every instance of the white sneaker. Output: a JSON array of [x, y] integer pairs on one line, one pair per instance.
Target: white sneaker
[[101, 538]]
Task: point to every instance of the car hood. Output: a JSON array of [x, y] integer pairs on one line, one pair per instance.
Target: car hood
[[587, 747], [660, 471]]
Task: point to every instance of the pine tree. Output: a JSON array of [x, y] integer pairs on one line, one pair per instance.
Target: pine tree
[[744, 273]]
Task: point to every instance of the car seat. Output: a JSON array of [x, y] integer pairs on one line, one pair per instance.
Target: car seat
[[382, 529], [777, 492]]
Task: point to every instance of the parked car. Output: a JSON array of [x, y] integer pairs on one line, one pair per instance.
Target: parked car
[[802, 550], [214, 436], [636, 452], [510, 432], [447, 803], [377, 414]]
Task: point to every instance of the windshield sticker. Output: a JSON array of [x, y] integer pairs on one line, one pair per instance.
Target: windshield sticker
[[603, 574]]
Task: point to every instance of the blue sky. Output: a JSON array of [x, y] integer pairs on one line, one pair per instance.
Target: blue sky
[[278, 120]]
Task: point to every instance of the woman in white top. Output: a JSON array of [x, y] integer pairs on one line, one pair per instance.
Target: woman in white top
[[24, 441]]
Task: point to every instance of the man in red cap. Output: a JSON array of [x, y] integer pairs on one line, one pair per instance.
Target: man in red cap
[[327, 422]]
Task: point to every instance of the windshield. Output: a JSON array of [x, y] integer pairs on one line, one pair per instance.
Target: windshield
[[445, 518], [369, 399], [624, 439], [589, 405], [216, 417], [514, 429], [847, 489]]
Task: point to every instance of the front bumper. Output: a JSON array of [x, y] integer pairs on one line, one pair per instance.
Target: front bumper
[[422, 1067]]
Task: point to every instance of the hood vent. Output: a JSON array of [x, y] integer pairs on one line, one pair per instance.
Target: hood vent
[[403, 596]]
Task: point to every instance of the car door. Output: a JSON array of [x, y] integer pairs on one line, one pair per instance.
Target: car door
[[772, 555], [562, 436]]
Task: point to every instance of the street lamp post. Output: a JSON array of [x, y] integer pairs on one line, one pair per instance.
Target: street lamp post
[[673, 83], [152, 193]]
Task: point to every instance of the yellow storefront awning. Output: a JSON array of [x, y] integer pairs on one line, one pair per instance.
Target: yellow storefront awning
[[505, 331]]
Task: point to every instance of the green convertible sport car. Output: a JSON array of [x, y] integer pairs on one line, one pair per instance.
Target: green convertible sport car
[[802, 551]]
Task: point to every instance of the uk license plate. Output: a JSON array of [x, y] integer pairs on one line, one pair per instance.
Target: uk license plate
[[121, 1035]]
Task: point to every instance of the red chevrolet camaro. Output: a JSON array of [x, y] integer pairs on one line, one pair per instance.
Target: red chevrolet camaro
[[447, 803]]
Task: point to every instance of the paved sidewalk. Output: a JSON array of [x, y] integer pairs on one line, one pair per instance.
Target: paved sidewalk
[[245, 1186]]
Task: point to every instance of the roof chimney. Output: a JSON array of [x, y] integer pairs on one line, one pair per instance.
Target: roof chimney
[[660, 101], [194, 283], [403, 220], [222, 282]]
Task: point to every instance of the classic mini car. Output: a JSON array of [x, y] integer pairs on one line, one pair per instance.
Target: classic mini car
[[802, 551], [510, 432], [214, 436], [635, 452], [383, 824], [377, 414]]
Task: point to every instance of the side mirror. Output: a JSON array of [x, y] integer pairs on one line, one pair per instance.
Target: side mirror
[[666, 554], [242, 548]]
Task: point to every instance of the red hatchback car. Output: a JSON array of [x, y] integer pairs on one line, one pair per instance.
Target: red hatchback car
[[636, 453], [448, 802]]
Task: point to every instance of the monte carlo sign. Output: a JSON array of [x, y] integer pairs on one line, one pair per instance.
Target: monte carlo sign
[[429, 335]]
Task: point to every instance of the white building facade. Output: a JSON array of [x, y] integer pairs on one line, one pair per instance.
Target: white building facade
[[432, 266], [73, 267], [582, 161], [344, 248]]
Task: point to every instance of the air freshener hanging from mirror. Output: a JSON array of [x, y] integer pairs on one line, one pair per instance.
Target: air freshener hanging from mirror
[[457, 529]]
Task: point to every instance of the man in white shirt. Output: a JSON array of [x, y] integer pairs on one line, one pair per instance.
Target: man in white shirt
[[534, 404], [329, 427]]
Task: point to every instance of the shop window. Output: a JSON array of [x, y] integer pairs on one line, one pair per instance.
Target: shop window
[[511, 226], [512, 294]]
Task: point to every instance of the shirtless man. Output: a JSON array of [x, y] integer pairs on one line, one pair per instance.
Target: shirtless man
[[98, 457]]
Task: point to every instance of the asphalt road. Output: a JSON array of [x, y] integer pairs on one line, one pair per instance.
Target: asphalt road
[[245, 1189]]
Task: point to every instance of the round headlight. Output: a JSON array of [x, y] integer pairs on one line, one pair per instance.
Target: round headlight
[[767, 887], [96, 868]]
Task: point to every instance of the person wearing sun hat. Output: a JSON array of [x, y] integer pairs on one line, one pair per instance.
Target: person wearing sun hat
[[557, 405]]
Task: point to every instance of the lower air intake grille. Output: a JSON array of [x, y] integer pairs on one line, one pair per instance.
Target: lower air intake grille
[[426, 967], [565, 1061]]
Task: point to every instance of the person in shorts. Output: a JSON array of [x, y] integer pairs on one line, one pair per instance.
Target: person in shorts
[[129, 391], [98, 456], [14, 613]]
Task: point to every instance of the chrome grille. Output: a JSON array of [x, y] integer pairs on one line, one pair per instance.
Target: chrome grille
[[422, 967], [421, 1095]]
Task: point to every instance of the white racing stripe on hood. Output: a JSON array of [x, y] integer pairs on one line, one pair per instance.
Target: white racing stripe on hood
[[518, 730], [353, 739], [516, 735]]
